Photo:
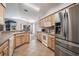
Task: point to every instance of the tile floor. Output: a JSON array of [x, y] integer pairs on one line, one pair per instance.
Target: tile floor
[[34, 48]]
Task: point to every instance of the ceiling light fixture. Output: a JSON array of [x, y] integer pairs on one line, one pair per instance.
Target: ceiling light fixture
[[32, 6], [25, 10]]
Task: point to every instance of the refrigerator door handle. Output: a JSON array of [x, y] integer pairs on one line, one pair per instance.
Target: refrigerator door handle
[[66, 25]]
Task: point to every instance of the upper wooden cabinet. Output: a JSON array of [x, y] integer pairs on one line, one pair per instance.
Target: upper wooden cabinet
[[51, 42], [47, 21], [53, 20], [2, 9]]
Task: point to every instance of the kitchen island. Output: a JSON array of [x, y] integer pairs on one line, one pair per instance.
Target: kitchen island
[[8, 41]]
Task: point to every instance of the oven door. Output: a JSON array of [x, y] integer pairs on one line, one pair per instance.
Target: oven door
[[45, 40]]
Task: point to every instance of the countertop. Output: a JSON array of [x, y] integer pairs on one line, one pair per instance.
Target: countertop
[[4, 36]]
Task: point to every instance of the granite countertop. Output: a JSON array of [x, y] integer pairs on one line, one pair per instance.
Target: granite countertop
[[6, 35]]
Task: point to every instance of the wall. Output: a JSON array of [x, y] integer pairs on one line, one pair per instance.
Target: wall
[[19, 23]]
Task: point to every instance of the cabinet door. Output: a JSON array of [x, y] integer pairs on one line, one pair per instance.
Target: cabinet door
[[23, 39], [39, 23], [17, 41], [27, 36], [52, 19], [49, 20], [45, 22], [1, 53], [1, 14], [37, 35], [49, 42], [53, 44], [5, 51], [40, 36]]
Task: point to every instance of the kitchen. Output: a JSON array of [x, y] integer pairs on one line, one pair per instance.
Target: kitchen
[[38, 29]]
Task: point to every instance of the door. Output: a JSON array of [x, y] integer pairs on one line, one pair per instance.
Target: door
[[17, 41], [5, 51], [1, 53], [66, 25], [27, 37], [49, 42], [1, 14], [23, 39], [74, 23]]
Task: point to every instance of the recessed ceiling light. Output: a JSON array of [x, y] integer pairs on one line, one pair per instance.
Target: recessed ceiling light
[[25, 10], [32, 6]]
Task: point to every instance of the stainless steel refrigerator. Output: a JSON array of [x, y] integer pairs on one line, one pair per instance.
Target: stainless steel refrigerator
[[67, 39]]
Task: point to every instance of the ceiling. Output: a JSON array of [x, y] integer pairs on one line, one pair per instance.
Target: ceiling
[[30, 12]]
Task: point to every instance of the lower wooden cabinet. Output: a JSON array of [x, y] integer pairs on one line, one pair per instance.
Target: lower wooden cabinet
[[17, 41], [4, 49], [51, 42], [26, 37], [21, 38], [1, 53]]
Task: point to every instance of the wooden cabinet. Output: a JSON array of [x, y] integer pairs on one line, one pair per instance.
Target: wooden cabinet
[[2, 9], [4, 49], [21, 38], [53, 20], [51, 42], [27, 35], [47, 21], [39, 36], [17, 41], [1, 53]]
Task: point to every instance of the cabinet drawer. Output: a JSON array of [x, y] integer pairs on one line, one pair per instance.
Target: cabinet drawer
[[17, 41], [5, 51], [4, 45], [1, 53]]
